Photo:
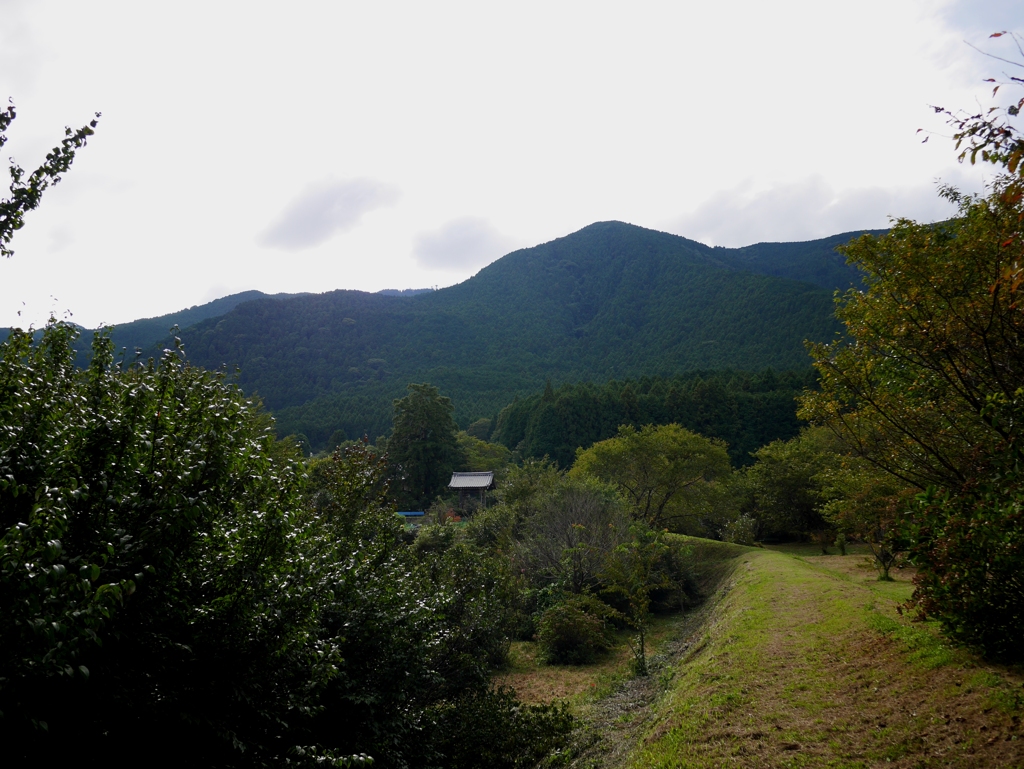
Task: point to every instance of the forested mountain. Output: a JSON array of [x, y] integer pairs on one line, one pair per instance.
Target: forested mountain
[[610, 301], [144, 333], [403, 291]]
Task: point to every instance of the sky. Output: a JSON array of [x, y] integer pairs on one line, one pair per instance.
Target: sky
[[314, 146]]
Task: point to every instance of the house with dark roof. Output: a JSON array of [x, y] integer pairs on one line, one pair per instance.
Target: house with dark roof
[[470, 485]]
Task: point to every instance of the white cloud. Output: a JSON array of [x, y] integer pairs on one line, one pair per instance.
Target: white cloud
[[325, 209], [805, 210], [466, 243]]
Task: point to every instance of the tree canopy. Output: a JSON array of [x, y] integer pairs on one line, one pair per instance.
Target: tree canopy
[[664, 472], [173, 584], [930, 389], [423, 447]]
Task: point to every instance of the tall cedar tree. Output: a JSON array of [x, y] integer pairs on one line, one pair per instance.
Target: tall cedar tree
[[423, 448]]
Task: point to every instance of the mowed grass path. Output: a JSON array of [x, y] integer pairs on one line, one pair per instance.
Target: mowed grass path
[[804, 662]]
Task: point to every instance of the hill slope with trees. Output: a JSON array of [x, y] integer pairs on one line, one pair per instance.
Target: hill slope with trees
[[612, 300]]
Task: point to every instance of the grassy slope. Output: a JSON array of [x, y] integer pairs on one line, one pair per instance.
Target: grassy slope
[[804, 662], [798, 660]]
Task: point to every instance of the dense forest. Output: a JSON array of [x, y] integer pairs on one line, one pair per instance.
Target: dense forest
[[610, 301], [745, 410]]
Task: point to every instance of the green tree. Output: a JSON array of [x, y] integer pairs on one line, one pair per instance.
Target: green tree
[[930, 391], [784, 489], [633, 571], [168, 586], [666, 473], [575, 528], [150, 564], [866, 502], [27, 192], [479, 455], [423, 448]]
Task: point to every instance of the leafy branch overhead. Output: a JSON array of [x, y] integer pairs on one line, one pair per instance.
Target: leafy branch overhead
[[27, 190], [930, 393]]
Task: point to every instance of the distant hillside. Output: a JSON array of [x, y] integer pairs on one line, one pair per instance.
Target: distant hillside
[[146, 332], [610, 301], [813, 261], [404, 291]]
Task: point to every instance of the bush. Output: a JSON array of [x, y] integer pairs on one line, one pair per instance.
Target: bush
[[150, 562], [574, 632], [495, 730], [742, 531], [677, 577], [969, 551], [171, 586]]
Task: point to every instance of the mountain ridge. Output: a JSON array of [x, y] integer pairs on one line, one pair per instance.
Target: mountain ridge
[[611, 300]]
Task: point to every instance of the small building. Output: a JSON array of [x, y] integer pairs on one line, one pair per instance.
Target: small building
[[470, 485]]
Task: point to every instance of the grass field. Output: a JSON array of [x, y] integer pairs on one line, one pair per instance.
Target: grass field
[[797, 660]]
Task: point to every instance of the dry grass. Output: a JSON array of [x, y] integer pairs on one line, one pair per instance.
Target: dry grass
[[537, 682]]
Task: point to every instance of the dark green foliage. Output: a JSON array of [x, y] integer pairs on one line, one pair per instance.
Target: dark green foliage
[[633, 571], [169, 590], [611, 300], [576, 525], [142, 334], [574, 631], [149, 600], [931, 393], [784, 489], [971, 550], [411, 635], [423, 447], [479, 455], [667, 474], [481, 429], [493, 729], [745, 410], [813, 261]]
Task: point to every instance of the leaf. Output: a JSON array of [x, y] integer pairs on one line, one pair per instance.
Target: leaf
[[1013, 161]]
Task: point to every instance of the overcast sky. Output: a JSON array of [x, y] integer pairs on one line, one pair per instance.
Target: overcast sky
[[311, 146]]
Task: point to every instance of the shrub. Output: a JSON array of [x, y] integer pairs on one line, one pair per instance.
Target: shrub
[[841, 543], [494, 729], [742, 531], [150, 561], [574, 632], [970, 557]]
